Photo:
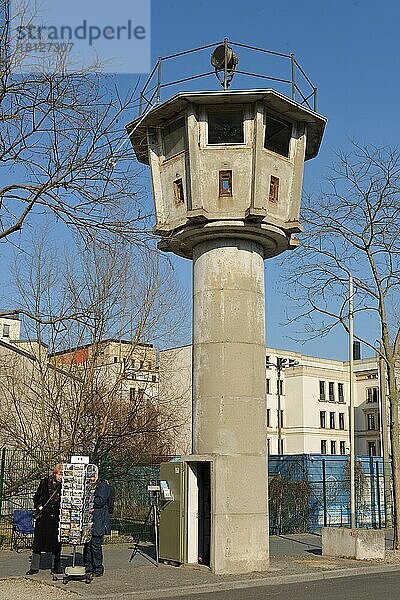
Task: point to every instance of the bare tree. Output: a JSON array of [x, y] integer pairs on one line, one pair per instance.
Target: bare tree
[[64, 160], [62, 151], [353, 228], [89, 382]]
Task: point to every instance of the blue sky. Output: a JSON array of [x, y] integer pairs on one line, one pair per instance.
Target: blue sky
[[350, 51]]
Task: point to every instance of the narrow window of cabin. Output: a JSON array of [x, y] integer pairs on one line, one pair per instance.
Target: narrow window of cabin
[[274, 189], [178, 192], [225, 183]]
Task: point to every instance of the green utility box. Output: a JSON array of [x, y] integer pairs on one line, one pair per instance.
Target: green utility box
[[185, 517], [172, 533]]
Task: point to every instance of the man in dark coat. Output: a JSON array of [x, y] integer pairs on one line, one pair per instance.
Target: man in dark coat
[[92, 552], [47, 506]]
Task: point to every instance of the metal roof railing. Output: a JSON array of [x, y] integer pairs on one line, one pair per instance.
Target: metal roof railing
[[302, 90]]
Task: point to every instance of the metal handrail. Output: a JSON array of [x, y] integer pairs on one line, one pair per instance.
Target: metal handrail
[[295, 70]]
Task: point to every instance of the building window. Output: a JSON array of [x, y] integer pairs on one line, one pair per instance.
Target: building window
[[371, 422], [115, 359], [132, 394], [268, 417], [333, 447], [280, 417], [341, 392], [280, 446], [279, 387], [178, 192], [277, 135], [371, 448], [268, 386], [332, 420], [342, 446], [267, 362], [322, 390], [323, 446], [372, 394], [174, 138], [273, 189], [225, 125], [322, 419], [6, 331], [268, 445], [331, 387], [341, 420], [225, 184]]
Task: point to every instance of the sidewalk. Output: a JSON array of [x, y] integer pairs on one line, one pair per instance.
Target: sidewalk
[[293, 558]]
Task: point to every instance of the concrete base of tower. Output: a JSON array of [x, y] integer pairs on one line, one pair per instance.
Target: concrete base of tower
[[231, 497]]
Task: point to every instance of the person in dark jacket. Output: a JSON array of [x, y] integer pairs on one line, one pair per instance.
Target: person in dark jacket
[[92, 551], [47, 506]]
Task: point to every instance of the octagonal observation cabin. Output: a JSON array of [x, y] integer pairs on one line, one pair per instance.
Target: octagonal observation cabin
[[228, 163]]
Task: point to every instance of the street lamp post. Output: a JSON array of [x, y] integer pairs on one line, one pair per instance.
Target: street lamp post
[[281, 363], [351, 408]]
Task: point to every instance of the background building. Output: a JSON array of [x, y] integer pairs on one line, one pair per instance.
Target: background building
[[10, 327], [307, 401], [307, 397], [129, 365], [95, 398]]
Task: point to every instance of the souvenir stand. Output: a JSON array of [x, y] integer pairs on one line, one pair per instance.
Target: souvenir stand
[[79, 480]]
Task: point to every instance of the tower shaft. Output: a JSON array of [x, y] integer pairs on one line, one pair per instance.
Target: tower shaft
[[229, 408]]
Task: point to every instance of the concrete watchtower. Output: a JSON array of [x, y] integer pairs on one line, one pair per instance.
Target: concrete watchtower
[[227, 169]]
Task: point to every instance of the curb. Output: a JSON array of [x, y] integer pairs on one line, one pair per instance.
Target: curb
[[204, 588]]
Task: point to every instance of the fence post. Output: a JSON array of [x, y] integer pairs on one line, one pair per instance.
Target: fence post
[[103, 466], [324, 492], [378, 495], [159, 81], [2, 473], [372, 491], [293, 76]]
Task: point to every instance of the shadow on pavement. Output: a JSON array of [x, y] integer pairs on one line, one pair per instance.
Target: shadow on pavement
[[148, 552]]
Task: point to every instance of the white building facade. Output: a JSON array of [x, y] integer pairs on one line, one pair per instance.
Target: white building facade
[[307, 402], [10, 327]]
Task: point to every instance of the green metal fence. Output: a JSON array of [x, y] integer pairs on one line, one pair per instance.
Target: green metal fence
[[20, 474], [310, 491], [306, 492]]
